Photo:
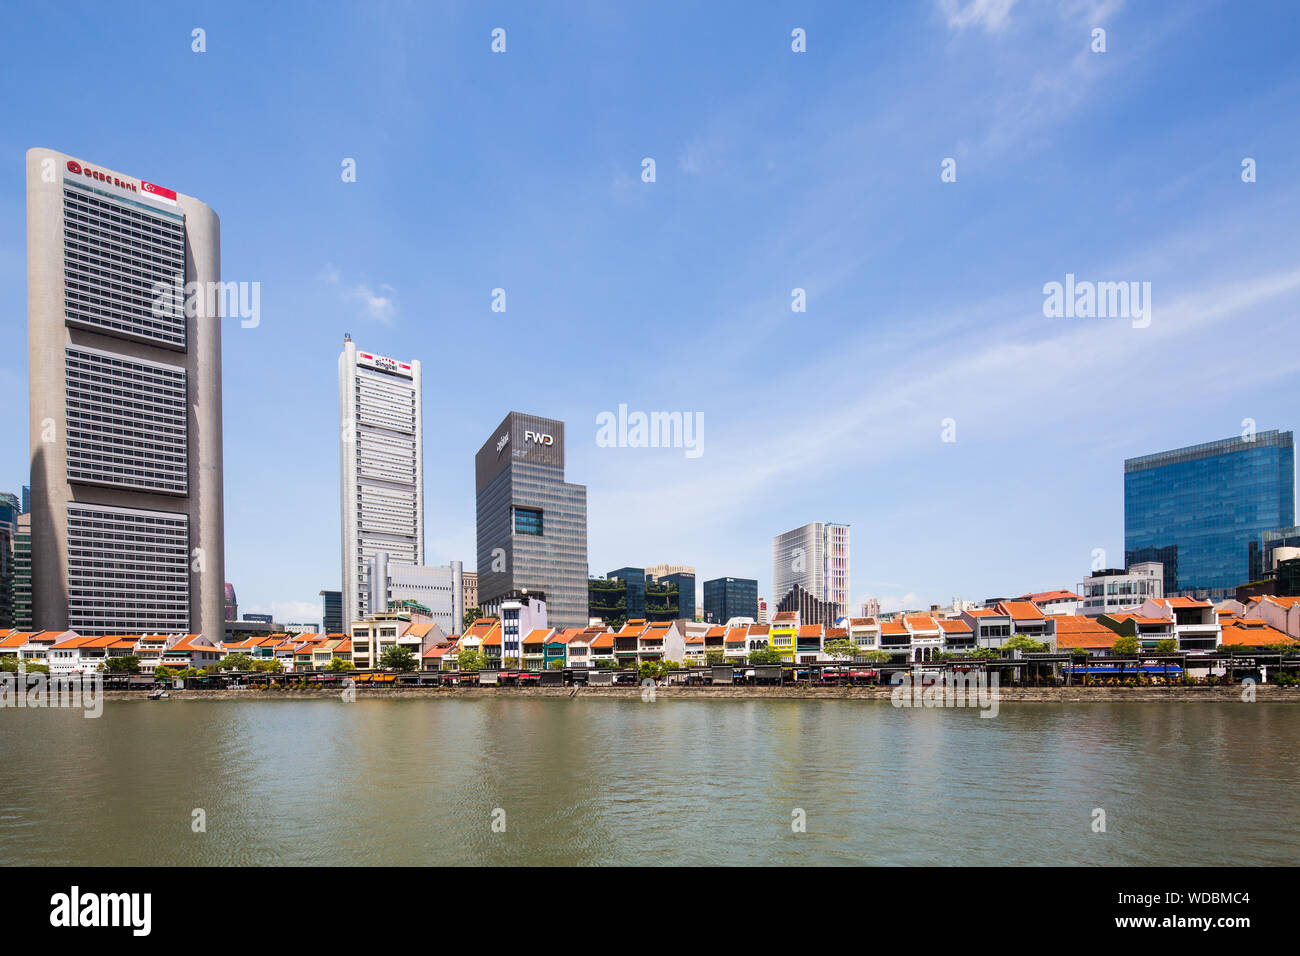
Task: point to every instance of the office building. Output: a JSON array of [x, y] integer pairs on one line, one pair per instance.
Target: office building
[[438, 589], [331, 609], [231, 609], [532, 524], [124, 340], [9, 512], [685, 583], [816, 558], [23, 573], [809, 609], [635, 579], [1196, 510], [382, 474], [725, 598], [762, 610], [1113, 590], [469, 583], [607, 599], [259, 618], [657, 571]]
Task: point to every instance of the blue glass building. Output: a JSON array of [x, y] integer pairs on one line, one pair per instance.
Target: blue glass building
[[725, 598], [1198, 509], [635, 578], [685, 582]]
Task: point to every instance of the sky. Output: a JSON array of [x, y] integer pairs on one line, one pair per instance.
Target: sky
[[774, 170]]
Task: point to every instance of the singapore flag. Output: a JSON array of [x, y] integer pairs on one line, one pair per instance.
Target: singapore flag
[[159, 192]]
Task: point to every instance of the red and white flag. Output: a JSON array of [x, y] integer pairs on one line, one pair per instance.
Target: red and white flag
[[159, 192]]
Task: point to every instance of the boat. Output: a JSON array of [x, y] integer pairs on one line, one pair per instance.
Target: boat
[[158, 694]]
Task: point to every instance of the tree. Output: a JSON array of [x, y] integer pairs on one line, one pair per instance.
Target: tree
[[338, 664], [508, 662], [984, 653], [765, 655], [557, 664], [10, 664], [398, 658], [130, 664], [876, 657], [268, 667], [841, 647], [470, 659], [1167, 646], [471, 615], [714, 657], [1024, 643], [235, 662], [1126, 645], [162, 673]]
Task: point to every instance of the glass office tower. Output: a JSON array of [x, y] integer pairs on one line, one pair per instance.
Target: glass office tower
[[1198, 509], [635, 580], [532, 524], [685, 581], [725, 598]]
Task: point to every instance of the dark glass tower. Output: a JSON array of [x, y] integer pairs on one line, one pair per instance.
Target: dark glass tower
[[1199, 509], [635, 578], [532, 524], [685, 582], [725, 598]]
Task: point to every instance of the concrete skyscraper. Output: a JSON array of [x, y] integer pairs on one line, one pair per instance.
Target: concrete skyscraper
[[815, 557], [382, 471], [127, 529], [532, 524]]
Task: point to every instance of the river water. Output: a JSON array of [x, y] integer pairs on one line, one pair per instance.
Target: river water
[[670, 782]]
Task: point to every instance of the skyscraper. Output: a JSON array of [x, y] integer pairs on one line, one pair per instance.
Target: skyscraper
[[725, 598], [532, 524], [331, 612], [380, 458], [1198, 510], [815, 557], [125, 402]]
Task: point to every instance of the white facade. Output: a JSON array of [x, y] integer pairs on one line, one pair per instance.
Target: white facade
[[1108, 592], [816, 557], [440, 589], [382, 472]]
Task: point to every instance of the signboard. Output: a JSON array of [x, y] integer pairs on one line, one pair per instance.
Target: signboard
[[384, 364]]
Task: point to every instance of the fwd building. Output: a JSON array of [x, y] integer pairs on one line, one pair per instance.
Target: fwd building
[[382, 481], [125, 402], [532, 524]]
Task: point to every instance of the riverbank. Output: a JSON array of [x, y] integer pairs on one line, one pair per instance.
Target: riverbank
[[1264, 693]]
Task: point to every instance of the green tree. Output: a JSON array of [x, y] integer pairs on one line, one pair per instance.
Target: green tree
[[1167, 646], [398, 658], [130, 664], [765, 655], [470, 659], [1126, 645], [984, 653], [268, 667], [714, 657], [10, 664], [338, 664], [1024, 643], [162, 673], [509, 662], [876, 657], [556, 665], [235, 662], [471, 615], [841, 647]]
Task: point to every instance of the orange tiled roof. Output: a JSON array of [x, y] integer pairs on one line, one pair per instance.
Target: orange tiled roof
[[1049, 596], [892, 627], [1021, 610], [1252, 632], [810, 630], [953, 626], [1072, 632], [736, 635], [758, 630]]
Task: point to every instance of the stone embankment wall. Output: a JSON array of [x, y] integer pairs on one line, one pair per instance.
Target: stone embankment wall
[[1263, 693]]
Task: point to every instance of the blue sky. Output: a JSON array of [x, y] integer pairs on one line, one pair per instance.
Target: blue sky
[[774, 170]]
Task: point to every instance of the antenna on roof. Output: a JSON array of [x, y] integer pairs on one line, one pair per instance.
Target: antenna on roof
[[347, 336]]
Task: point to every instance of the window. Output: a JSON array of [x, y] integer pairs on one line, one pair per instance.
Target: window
[[527, 520]]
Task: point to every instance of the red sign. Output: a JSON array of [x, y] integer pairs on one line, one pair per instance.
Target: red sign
[[76, 168]]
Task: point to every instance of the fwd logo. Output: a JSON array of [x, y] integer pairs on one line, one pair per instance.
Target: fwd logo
[[537, 438]]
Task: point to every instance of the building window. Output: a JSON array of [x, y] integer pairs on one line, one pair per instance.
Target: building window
[[527, 520]]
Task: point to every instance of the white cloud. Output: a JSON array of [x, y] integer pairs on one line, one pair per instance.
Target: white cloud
[[990, 14], [288, 612], [379, 304]]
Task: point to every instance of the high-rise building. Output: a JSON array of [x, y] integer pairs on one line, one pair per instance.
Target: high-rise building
[[23, 573], [1197, 510], [440, 589], [815, 557], [762, 610], [871, 607], [331, 611], [532, 524], [636, 580], [657, 571], [124, 347], [231, 603], [725, 598], [469, 581], [685, 581], [380, 457]]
